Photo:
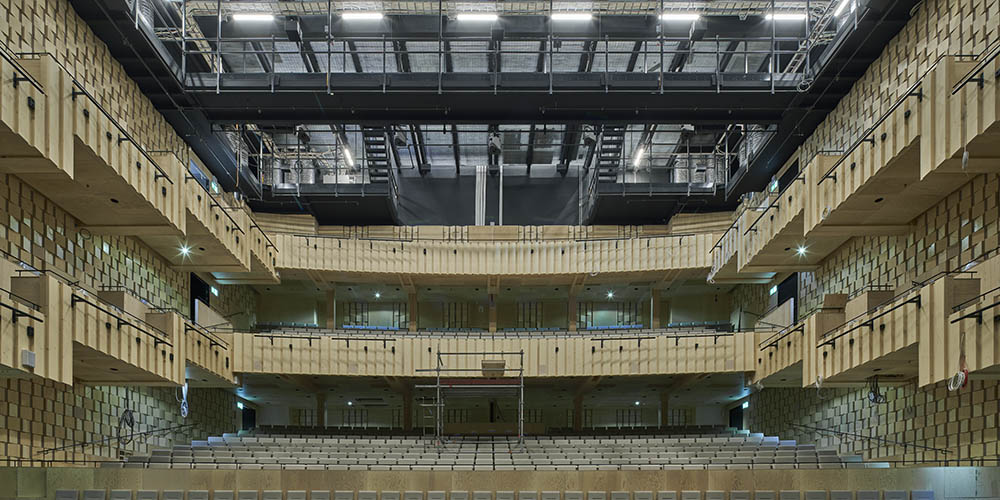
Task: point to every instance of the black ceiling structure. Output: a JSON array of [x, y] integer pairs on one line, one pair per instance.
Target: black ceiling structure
[[405, 96]]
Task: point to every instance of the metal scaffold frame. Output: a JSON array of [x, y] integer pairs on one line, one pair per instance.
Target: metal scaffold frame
[[438, 387]]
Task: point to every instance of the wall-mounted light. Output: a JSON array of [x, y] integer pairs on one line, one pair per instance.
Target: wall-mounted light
[[611, 294], [185, 250], [378, 295], [785, 16], [801, 250], [639, 153], [746, 404]]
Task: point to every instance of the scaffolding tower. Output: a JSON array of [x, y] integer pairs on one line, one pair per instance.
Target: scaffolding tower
[[491, 383]]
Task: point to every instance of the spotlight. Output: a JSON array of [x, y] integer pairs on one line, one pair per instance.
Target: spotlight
[[800, 250], [611, 294], [378, 295], [185, 251], [637, 403], [350, 403], [640, 152]]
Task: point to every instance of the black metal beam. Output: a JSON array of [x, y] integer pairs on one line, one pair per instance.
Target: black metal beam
[[355, 59], [529, 157], [634, 57], [455, 149], [265, 64]]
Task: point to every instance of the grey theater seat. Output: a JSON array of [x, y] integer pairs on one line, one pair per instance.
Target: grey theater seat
[[715, 495], [597, 495], [922, 495], [272, 495], [642, 495], [320, 495], [387, 495], [867, 495], [67, 494], [147, 495], [461, 495], [816, 495], [173, 495], [573, 495], [436, 495], [739, 495], [527, 495], [841, 495], [413, 495], [296, 495], [551, 495], [621, 495], [764, 495], [196, 495], [121, 495], [666, 495], [95, 494], [343, 495], [789, 495], [505, 495], [368, 495], [690, 495], [247, 495], [224, 495], [896, 495]]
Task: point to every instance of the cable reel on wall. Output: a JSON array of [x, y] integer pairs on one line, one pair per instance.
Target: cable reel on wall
[[126, 422], [183, 400]]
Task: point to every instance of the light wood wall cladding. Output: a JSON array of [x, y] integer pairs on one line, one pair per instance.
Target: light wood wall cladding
[[35, 124], [777, 353], [226, 246], [964, 423], [494, 258], [32, 330], [943, 482], [975, 338], [41, 414], [144, 359], [542, 357], [888, 346], [212, 352], [774, 229]]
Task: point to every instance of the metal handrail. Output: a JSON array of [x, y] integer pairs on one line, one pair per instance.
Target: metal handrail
[[870, 323], [980, 68], [966, 303], [978, 313], [912, 91], [113, 438], [59, 277], [215, 203], [125, 135], [26, 77], [873, 438], [411, 239], [774, 204], [17, 313], [773, 340], [191, 326], [77, 298]]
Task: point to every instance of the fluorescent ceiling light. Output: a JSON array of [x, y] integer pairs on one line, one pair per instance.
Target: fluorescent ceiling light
[[253, 17], [485, 17], [638, 156], [572, 16], [680, 16], [785, 17], [348, 157], [362, 16]]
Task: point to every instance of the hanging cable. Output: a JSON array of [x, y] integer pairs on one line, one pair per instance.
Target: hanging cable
[[183, 400], [126, 422], [875, 395], [960, 379], [820, 394]]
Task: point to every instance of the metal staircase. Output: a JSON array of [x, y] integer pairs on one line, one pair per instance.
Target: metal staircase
[[376, 153], [609, 155]]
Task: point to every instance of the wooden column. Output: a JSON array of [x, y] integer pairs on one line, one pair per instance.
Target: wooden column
[[321, 409], [411, 311], [578, 413], [331, 309], [664, 408], [655, 309], [407, 407], [493, 313], [571, 312]]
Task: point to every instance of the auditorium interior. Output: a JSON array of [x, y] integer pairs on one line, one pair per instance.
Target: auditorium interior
[[499, 249]]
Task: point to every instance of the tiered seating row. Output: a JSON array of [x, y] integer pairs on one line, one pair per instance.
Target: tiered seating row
[[243, 494], [718, 452]]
